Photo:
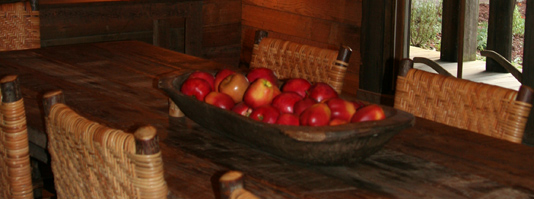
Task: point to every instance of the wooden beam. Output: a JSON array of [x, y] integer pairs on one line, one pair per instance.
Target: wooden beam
[[402, 40], [470, 30], [500, 32], [528, 67], [461, 37], [377, 47], [450, 30]]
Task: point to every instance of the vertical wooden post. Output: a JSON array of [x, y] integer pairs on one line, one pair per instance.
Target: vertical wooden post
[[453, 28], [528, 67], [461, 36], [402, 40], [377, 50], [470, 31], [500, 32], [449, 30]]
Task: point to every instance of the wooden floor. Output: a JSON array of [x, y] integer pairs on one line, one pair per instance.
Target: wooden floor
[[472, 70]]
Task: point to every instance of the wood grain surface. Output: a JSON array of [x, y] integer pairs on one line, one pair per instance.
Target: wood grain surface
[[324, 24], [114, 83]]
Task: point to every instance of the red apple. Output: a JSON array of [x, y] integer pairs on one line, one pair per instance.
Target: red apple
[[220, 100], [260, 92], [297, 85], [358, 104], [321, 91], [341, 109], [264, 73], [234, 85], [288, 119], [196, 87], [266, 113], [302, 105], [371, 112], [317, 115], [205, 76], [335, 122], [242, 109], [285, 101], [223, 73]]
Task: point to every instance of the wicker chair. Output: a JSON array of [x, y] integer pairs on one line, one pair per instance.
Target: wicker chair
[[478, 107], [19, 25], [231, 186], [90, 160], [15, 168], [293, 60]]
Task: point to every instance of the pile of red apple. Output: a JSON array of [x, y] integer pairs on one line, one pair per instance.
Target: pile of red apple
[[258, 96]]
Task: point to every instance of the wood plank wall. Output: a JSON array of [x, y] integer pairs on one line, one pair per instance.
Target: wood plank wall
[[64, 22], [221, 40], [163, 23], [321, 23]]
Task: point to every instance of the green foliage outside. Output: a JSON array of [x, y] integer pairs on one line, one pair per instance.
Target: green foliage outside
[[482, 35], [425, 24], [518, 23]]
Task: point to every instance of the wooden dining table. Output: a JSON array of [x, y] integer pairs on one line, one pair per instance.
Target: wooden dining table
[[114, 83]]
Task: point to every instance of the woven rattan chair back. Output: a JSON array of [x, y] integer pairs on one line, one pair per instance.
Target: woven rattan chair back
[[478, 107], [231, 186], [15, 169], [19, 26], [293, 60], [90, 160]]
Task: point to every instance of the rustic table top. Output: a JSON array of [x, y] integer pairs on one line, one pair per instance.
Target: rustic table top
[[114, 83]]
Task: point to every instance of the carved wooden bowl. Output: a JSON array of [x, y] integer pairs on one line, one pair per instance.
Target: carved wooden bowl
[[327, 145]]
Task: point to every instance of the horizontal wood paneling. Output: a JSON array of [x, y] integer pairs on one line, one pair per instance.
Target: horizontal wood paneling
[[226, 35], [221, 12], [344, 11], [221, 31], [75, 21], [321, 23], [158, 22]]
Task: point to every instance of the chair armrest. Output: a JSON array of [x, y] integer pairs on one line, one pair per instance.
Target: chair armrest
[[432, 65], [504, 63]]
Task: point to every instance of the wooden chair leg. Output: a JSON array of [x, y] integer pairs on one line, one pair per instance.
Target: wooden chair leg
[[231, 185], [174, 110]]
